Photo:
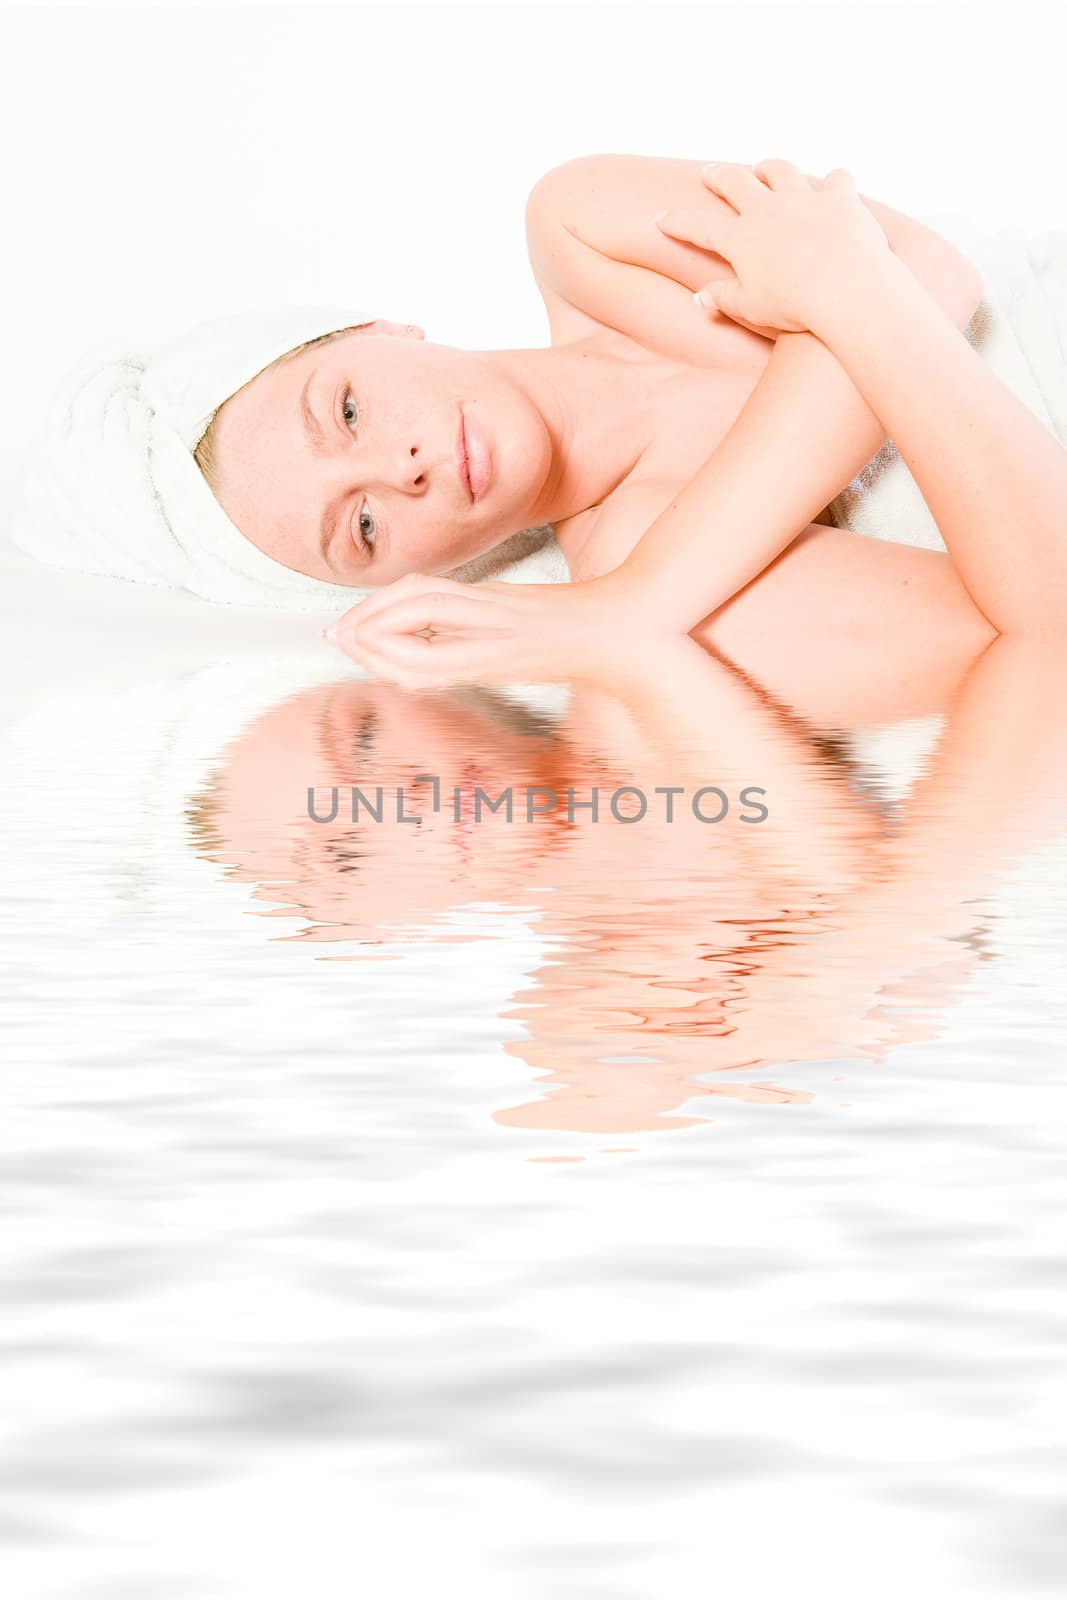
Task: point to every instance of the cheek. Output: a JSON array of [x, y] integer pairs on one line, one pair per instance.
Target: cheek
[[437, 534]]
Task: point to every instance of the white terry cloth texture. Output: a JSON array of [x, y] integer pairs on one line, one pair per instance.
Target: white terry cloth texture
[[1019, 330], [111, 486]]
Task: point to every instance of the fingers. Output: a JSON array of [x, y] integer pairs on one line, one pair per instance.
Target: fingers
[[719, 296], [782, 176], [412, 590], [697, 226], [439, 609], [372, 661], [445, 654], [379, 665], [738, 185], [410, 583], [840, 179], [415, 662]]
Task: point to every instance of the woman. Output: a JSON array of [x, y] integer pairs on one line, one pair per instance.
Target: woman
[[812, 261], [343, 459], [598, 434]]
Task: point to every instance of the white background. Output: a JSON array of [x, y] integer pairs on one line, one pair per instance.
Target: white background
[[287, 1313], [180, 161]]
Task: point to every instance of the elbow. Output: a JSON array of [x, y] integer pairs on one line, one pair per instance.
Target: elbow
[[958, 287], [968, 294], [950, 276], [1039, 627]]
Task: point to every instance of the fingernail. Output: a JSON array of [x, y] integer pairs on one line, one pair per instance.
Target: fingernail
[[330, 632], [705, 298], [660, 214]]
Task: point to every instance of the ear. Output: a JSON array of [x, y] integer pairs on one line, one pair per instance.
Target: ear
[[395, 330]]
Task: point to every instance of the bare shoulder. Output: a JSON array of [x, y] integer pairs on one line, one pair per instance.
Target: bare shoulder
[[594, 248]]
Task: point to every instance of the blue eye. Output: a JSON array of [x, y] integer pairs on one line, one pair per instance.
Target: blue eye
[[349, 405]]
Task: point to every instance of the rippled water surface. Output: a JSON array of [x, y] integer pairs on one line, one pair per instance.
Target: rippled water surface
[[582, 1207]]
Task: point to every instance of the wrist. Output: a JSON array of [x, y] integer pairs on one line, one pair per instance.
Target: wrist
[[624, 604], [854, 293]]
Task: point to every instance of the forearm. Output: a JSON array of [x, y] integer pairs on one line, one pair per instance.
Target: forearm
[[993, 477], [804, 433]]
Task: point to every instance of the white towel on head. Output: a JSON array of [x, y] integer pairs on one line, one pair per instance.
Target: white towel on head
[[111, 486]]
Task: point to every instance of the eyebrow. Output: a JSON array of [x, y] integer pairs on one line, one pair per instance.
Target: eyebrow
[[316, 436], [317, 440]]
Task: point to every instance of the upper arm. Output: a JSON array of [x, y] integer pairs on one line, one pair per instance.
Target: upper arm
[[949, 275], [592, 241]]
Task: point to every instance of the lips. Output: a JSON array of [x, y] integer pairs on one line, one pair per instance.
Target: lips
[[474, 460], [479, 460], [462, 467]]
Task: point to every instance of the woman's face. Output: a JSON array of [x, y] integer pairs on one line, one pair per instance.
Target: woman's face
[[340, 461], [366, 879]]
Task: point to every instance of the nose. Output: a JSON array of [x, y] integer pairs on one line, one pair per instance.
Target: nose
[[392, 465]]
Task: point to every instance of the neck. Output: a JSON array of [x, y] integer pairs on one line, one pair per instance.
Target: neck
[[596, 410]]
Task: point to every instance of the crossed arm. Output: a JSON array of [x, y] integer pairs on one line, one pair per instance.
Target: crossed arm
[[589, 232], [806, 415], [993, 477], [886, 357]]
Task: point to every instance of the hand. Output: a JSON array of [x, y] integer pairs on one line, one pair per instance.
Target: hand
[[793, 243], [425, 630]]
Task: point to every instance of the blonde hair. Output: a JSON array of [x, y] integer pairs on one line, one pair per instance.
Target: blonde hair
[[204, 454]]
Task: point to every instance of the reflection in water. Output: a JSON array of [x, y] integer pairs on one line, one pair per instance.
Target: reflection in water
[[688, 957], [278, 1289]]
